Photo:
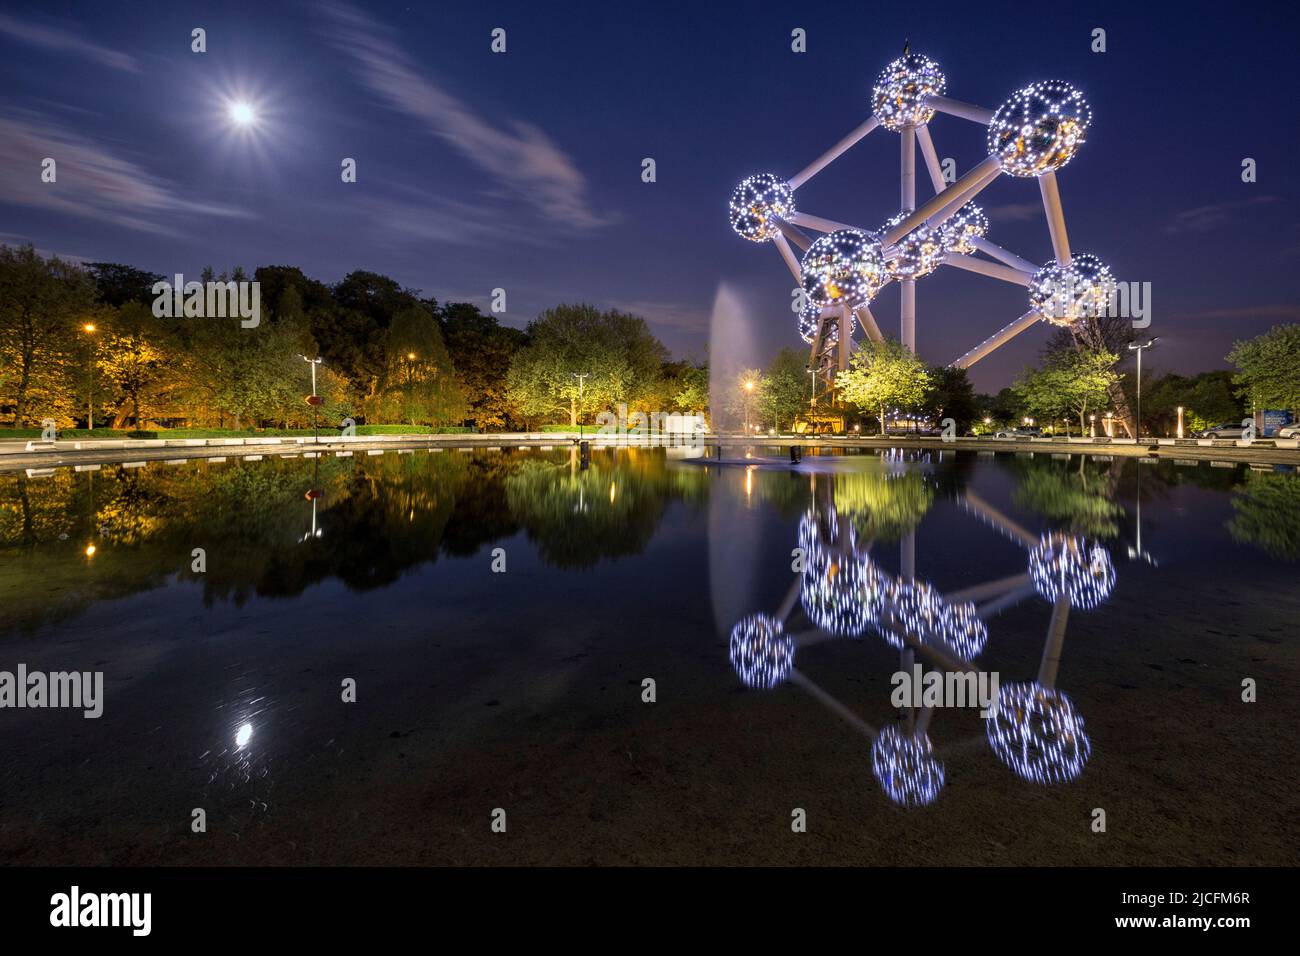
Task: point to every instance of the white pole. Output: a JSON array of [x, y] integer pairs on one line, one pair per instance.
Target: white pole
[[907, 310], [939, 207], [1055, 217], [794, 234], [826, 158], [783, 247], [869, 323], [998, 339], [846, 338], [932, 163], [966, 111], [1051, 661], [907, 203], [818, 223], [997, 252], [994, 270]]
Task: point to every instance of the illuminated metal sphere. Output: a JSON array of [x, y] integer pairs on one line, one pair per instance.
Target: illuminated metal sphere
[[762, 654], [898, 98], [757, 203], [1038, 734], [906, 768], [1066, 294], [834, 577], [966, 224], [810, 316], [1064, 564], [918, 253], [1039, 128], [844, 267]]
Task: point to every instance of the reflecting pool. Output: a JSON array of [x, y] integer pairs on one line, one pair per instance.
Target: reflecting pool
[[656, 656]]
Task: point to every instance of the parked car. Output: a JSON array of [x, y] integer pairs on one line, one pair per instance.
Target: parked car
[[1289, 431], [1019, 433], [1226, 430]]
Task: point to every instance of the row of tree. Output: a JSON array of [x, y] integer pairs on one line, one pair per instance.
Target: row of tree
[[80, 343]]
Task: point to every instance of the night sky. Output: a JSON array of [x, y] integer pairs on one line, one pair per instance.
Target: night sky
[[523, 170]]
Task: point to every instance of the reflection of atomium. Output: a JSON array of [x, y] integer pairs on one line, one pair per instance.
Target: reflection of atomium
[[843, 268], [1037, 131], [1037, 733], [761, 652], [757, 204], [837, 584], [1061, 564], [1065, 294], [906, 768]]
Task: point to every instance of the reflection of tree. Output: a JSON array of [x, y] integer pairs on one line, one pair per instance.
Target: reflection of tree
[[1082, 500], [1266, 513], [577, 517], [883, 507]]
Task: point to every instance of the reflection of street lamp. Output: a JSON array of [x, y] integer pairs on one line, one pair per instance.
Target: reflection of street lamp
[[89, 329], [1092, 431], [1140, 348]]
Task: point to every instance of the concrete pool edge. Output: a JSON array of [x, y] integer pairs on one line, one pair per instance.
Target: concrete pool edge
[[17, 455]]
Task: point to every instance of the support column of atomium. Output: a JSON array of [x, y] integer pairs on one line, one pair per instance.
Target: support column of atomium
[[907, 288]]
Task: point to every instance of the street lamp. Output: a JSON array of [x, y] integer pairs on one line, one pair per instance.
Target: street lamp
[[749, 390], [1140, 348], [89, 329], [581, 377], [1180, 421], [315, 399]]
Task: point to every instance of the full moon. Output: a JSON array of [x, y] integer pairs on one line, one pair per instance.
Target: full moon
[[242, 114]]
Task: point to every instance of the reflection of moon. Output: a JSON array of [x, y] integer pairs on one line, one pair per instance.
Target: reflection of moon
[[906, 768], [1038, 734]]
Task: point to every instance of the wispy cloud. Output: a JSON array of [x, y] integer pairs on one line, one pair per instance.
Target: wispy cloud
[[91, 181], [518, 155], [65, 41], [1215, 216], [421, 215]]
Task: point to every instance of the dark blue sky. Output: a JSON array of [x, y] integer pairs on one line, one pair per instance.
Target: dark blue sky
[[522, 170]]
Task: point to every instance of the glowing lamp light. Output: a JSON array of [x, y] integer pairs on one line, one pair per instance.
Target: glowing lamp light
[[757, 204], [906, 768], [844, 267], [762, 654], [1039, 129], [1038, 734], [918, 253], [90, 550]]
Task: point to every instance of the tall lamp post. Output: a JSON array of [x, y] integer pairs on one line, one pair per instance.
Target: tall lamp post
[[89, 329], [581, 377], [1141, 347], [749, 390], [315, 431]]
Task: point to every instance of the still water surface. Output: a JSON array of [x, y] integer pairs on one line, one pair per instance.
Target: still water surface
[[524, 689]]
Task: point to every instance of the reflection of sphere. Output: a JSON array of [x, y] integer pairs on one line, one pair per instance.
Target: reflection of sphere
[[898, 98], [918, 253], [1039, 128], [906, 768], [911, 608], [961, 629], [756, 203], [1063, 564], [1065, 294], [810, 316], [1037, 733], [967, 223], [836, 585], [761, 652], [844, 267]]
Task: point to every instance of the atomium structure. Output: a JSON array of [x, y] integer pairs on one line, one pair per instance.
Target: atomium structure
[[1034, 133], [1038, 734]]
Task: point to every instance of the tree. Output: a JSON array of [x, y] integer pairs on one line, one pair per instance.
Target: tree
[[40, 303], [953, 397], [1269, 365], [615, 351], [783, 392], [418, 383], [1097, 333], [131, 358], [884, 374], [117, 284], [688, 386], [481, 350], [1074, 382]]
